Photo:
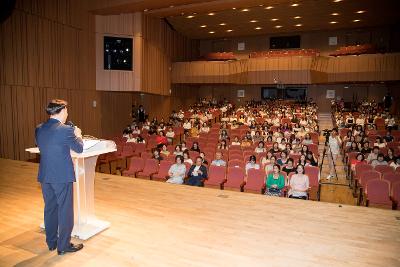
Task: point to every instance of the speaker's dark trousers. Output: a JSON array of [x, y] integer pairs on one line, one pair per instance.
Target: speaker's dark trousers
[[58, 214]]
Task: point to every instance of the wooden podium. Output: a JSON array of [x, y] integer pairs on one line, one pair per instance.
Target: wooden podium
[[86, 224]]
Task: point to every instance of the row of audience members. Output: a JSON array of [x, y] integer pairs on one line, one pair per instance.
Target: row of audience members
[[275, 181]]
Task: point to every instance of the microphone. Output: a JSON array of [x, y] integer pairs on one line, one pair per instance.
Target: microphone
[[70, 123]]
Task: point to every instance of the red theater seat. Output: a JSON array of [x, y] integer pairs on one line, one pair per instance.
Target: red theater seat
[[216, 176], [255, 181], [377, 193], [150, 168], [136, 165], [235, 179], [163, 169]]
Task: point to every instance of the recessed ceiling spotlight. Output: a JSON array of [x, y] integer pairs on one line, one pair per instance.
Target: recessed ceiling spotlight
[[337, 1], [295, 4], [229, 30], [356, 20], [257, 28], [171, 6], [333, 22], [222, 24], [253, 21], [335, 14], [297, 17], [211, 32], [274, 19], [361, 11], [278, 26], [190, 17], [269, 7], [234, 8], [211, 14], [298, 25], [261, 5], [245, 10], [203, 26], [146, 10]]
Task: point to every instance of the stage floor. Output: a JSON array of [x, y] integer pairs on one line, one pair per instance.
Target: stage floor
[[158, 224]]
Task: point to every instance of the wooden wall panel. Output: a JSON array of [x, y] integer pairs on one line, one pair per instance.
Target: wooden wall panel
[[290, 70]]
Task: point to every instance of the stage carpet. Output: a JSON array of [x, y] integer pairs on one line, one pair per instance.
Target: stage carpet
[[158, 224]]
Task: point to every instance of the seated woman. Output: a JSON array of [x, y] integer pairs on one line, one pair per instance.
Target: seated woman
[[307, 139], [390, 157], [170, 135], [204, 128], [260, 148], [252, 164], [246, 142], [283, 159], [157, 155], [270, 166], [379, 142], [177, 171], [299, 184], [203, 156], [311, 160], [178, 150], [380, 160], [223, 135], [266, 160], [275, 148], [289, 167], [195, 147], [353, 162], [302, 160], [186, 157], [164, 151], [197, 173], [275, 182], [236, 141], [353, 148], [222, 145], [161, 138]]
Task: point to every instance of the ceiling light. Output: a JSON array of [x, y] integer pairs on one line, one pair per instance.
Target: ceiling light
[[211, 14], [245, 9], [360, 11], [190, 17], [295, 4], [234, 8], [356, 20], [298, 25], [335, 14], [333, 22], [257, 28], [253, 21], [171, 6], [297, 17], [261, 5], [146, 10], [222, 24], [337, 1], [278, 26], [269, 7], [274, 19], [203, 26], [229, 30], [211, 32]]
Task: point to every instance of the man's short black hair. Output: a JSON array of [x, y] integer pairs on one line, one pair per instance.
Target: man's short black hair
[[55, 106]]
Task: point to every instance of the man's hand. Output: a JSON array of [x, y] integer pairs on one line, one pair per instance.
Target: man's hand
[[78, 132]]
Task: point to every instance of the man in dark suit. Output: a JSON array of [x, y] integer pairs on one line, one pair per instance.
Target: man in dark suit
[[56, 175], [197, 173]]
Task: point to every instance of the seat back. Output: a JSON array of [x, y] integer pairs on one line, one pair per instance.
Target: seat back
[[236, 163], [378, 191], [369, 175], [150, 166], [362, 167], [164, 167], [235, 177], [313, 175], [395, 193], [383, 169], [255, 179], [392, 177], [136, 164], [216, 175]]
